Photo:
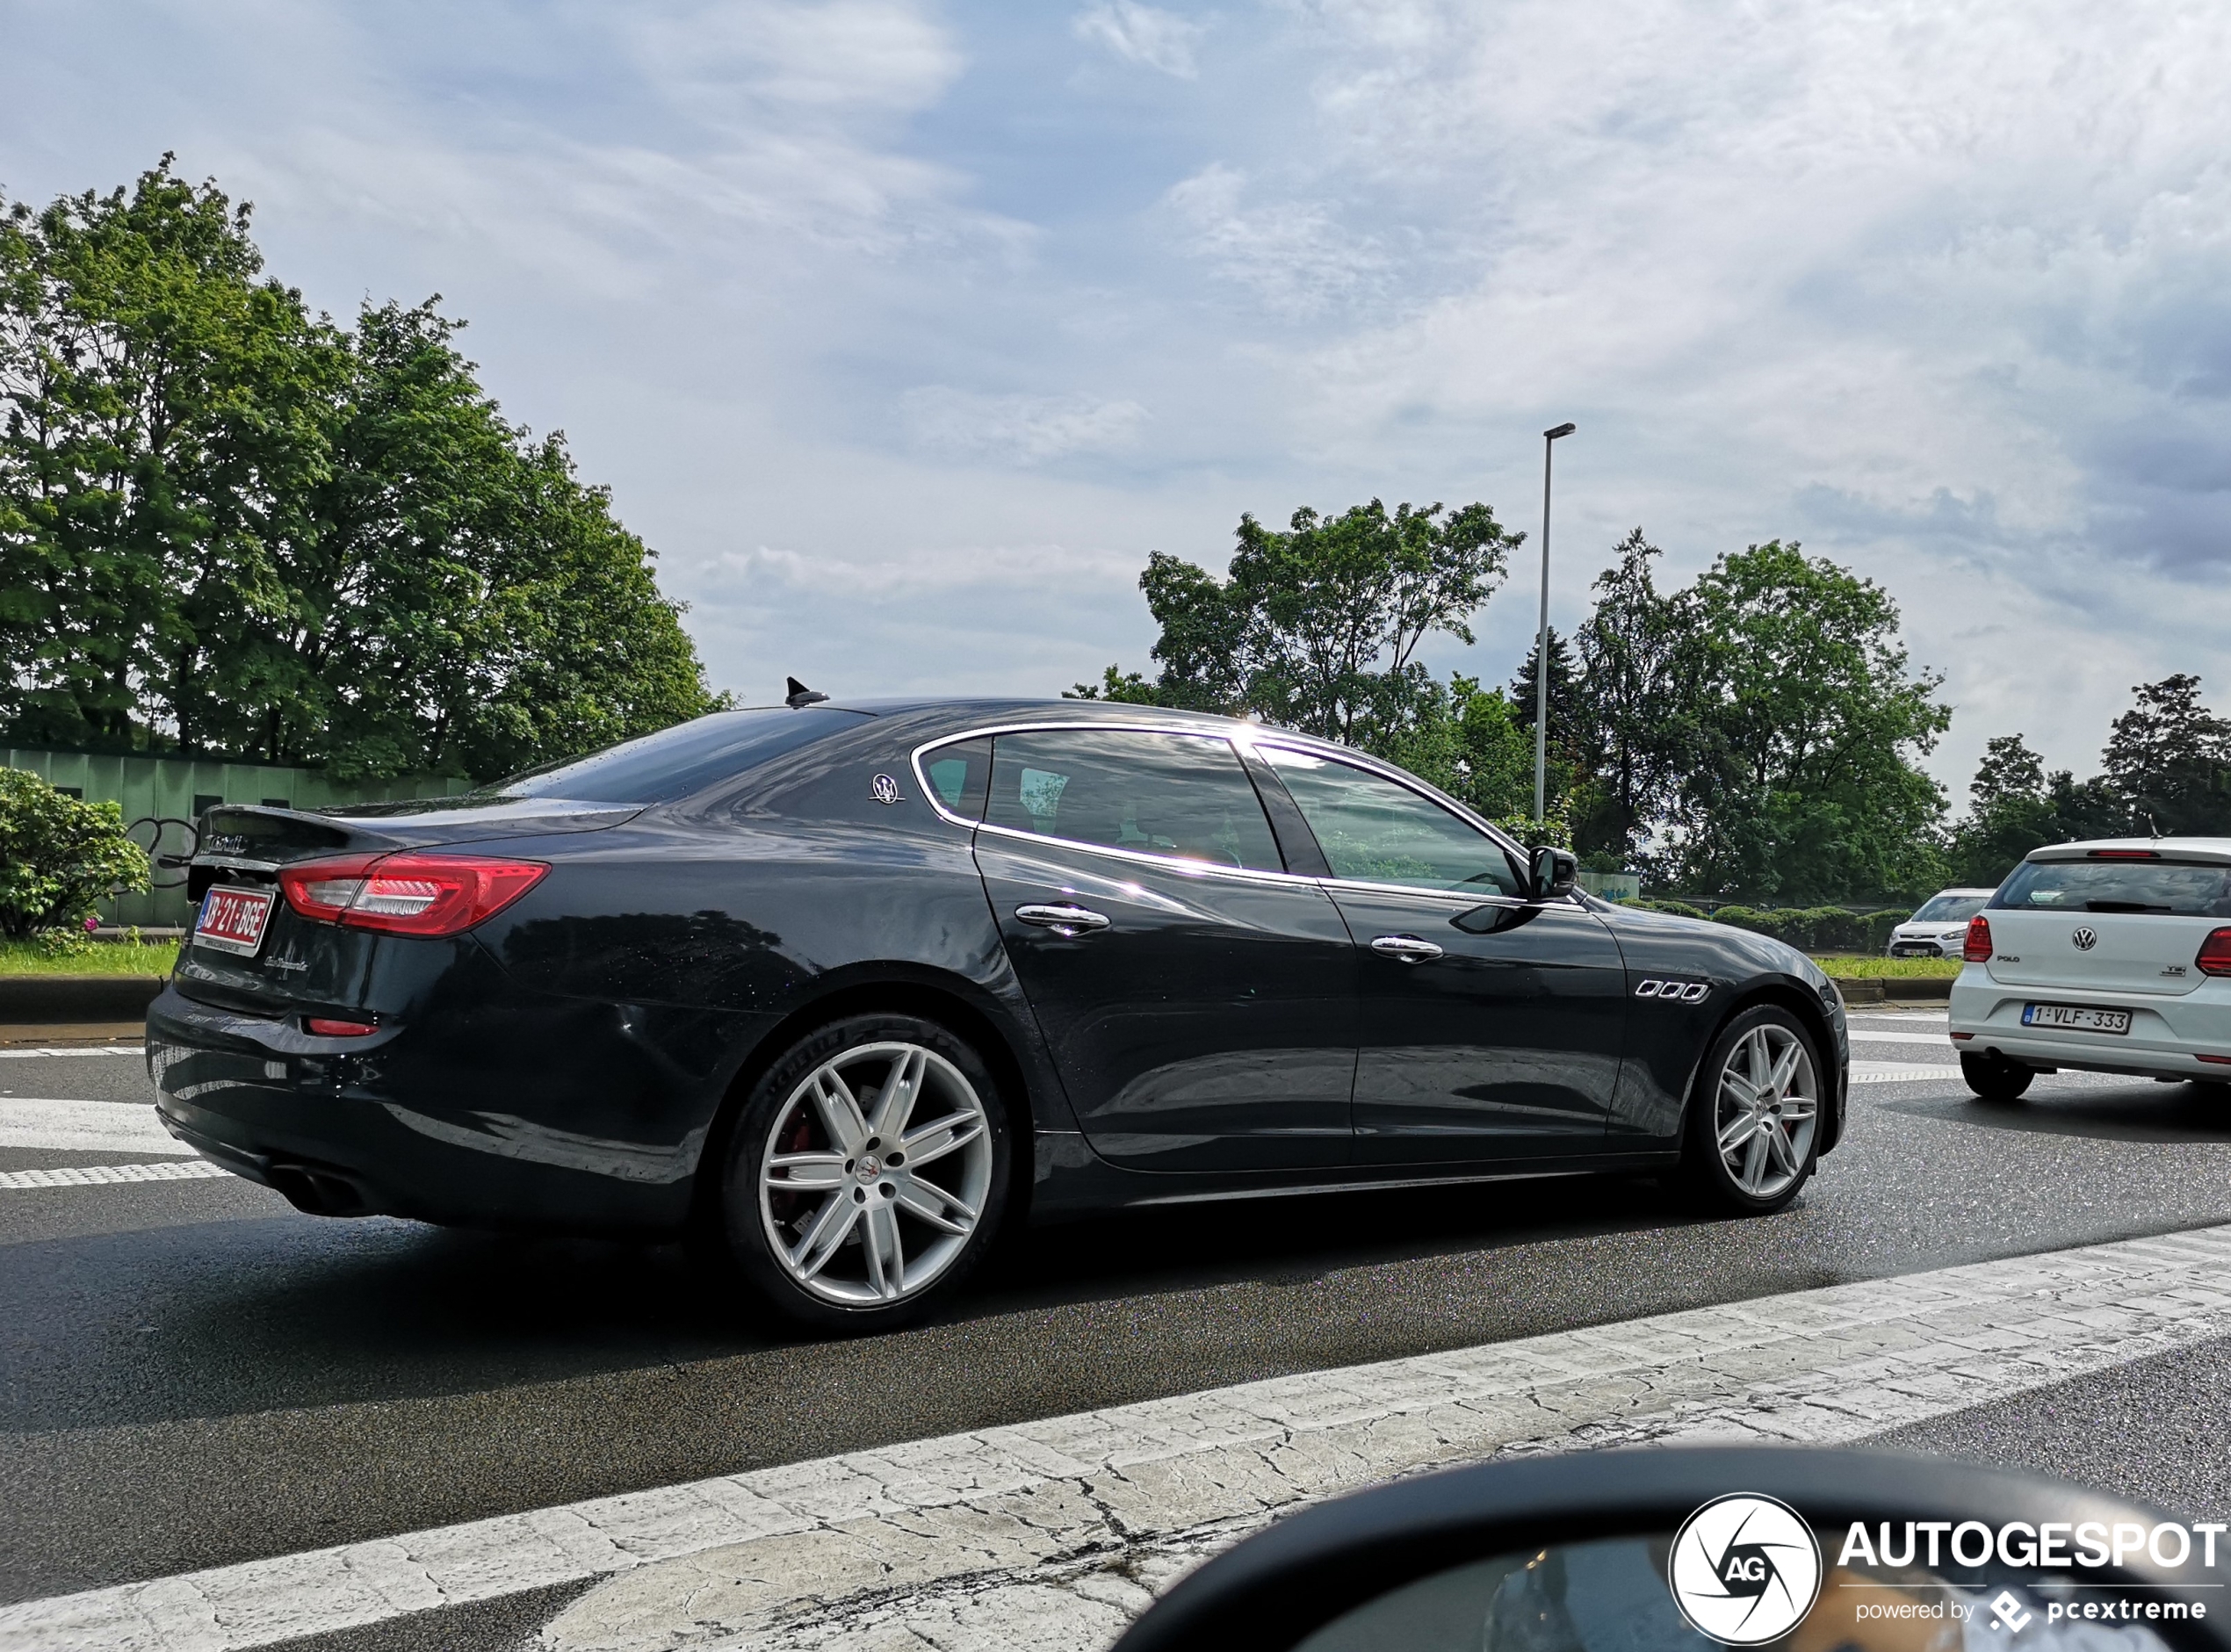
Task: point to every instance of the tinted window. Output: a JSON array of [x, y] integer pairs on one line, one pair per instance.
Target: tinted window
[[2182, 887], [958, 775], [1376, 832], [676, 761], [1948, 909], [1181, 795]]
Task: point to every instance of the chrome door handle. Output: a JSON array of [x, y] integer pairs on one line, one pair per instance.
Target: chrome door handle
[[1406, 949], [1064, 919]]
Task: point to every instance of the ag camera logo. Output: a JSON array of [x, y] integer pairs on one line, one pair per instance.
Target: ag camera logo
[[1744, 1570]]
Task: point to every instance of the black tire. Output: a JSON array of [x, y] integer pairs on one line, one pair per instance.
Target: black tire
[[1995, 1078], [1715, 1110], [885, 1204]]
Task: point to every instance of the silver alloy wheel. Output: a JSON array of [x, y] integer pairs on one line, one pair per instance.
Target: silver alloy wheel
[[865, 1205], [1769, 1107]]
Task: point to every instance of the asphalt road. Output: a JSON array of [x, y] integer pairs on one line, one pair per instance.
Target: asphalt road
[[195, 1376]]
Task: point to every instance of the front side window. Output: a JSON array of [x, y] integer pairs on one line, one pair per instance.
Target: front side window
[[1184, 796], [2185, 888], [1373, 831]]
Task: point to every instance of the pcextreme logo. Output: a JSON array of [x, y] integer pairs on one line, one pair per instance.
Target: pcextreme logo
[[1744, 1570]]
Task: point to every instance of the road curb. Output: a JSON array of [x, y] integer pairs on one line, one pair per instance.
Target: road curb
[[1876, 989], [85, 999]]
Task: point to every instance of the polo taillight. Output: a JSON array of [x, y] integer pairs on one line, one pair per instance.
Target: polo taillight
[[1977, 948], [412, 893], [2215, 954]]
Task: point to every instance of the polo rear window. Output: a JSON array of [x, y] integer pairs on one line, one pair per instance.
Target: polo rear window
[[2182, 889]]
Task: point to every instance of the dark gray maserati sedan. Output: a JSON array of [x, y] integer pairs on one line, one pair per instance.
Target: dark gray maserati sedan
[[843, 990]]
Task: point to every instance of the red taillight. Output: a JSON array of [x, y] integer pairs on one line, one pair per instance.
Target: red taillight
[[2215, 954], [325, 1026], [1977, 948], [411, 894]]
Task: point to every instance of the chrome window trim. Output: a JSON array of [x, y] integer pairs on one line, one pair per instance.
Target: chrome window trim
[[1206, 869], [1329, 885]]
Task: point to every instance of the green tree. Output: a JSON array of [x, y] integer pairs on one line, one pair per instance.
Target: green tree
[[2169, 759], [59, 857], [2011, 811], [1564, 684], [1636, 702], [229, 526], [1317, 628], [1800, 782]]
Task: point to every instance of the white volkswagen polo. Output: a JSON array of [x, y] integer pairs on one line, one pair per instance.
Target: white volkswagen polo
[[2107, 957]]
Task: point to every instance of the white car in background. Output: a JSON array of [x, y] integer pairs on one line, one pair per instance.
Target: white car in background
[[2106, 958], [1939, 929]]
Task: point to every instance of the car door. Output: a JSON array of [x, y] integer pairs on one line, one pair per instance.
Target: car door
[[1198, 998], [1490, 1024]]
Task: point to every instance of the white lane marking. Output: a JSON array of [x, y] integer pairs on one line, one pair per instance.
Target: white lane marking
[[1870, 1035], [86, 1127], [801, 1543], [102, 1175], [1901, 1072], [78, 1049], [1901, 1015]]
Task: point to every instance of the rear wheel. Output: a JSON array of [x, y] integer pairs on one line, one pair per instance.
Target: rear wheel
[[1995, 1078], [868, 1174], [1754, 1121]]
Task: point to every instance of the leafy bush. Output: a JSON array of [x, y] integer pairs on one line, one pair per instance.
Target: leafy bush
[[1838, 930], [59, 857], [1879, 926], [1675, 908], [1808, 928]]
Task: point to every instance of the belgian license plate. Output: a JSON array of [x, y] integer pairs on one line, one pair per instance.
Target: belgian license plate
[[2079, 1018], [232, 920]]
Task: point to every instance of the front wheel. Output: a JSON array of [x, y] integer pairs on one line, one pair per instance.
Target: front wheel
[[1754, 1121], [868, 1172], [1994, 1078]]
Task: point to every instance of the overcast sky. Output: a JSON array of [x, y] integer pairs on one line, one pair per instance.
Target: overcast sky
[[904, 332]]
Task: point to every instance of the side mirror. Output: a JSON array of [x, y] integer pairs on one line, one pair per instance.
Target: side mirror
[[1553, 872], [1679, 1547]]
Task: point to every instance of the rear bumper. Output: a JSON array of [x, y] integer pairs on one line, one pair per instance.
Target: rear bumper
[[552, 1114], [2169, 1037]]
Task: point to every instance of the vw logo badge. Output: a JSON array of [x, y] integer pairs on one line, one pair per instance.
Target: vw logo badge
[[1744, 1570], [2085, 939], [885, 789]]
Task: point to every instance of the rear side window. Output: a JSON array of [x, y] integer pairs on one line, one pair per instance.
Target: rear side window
[[2183, 889], [1376, 831], [675, 761], [1184, 796], [960, 775]]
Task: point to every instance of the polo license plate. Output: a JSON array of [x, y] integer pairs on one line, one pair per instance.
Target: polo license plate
[[2076, 1018], [232, 920]]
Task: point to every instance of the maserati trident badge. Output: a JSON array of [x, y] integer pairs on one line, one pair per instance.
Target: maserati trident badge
[[885, 789]]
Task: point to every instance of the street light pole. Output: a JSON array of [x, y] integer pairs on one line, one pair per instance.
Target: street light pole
[[1542, 642]]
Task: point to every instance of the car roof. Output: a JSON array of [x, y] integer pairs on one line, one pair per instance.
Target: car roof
[[959, 714], [1941, 893], [2167, 848]]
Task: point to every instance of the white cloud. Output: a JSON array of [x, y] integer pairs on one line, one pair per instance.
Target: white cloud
[[1142, 34], [1016, 430], [1293, 255]]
